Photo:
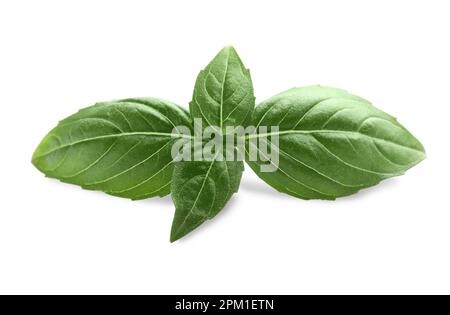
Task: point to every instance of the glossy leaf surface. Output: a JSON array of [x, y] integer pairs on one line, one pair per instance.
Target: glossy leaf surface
[[223, 93], [332, 143], [121, 147]]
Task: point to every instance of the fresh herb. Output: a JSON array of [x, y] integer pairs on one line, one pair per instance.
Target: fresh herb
[[332, 143], [324, 143]]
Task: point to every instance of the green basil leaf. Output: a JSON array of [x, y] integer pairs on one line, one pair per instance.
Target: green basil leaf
[[223, 97], [331, 143], [121, 147], [223, 93], [200, 190]]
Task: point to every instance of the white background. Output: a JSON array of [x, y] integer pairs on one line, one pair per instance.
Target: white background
[[57, 57]]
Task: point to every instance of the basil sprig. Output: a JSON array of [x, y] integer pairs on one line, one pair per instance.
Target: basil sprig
[[330, 144]]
